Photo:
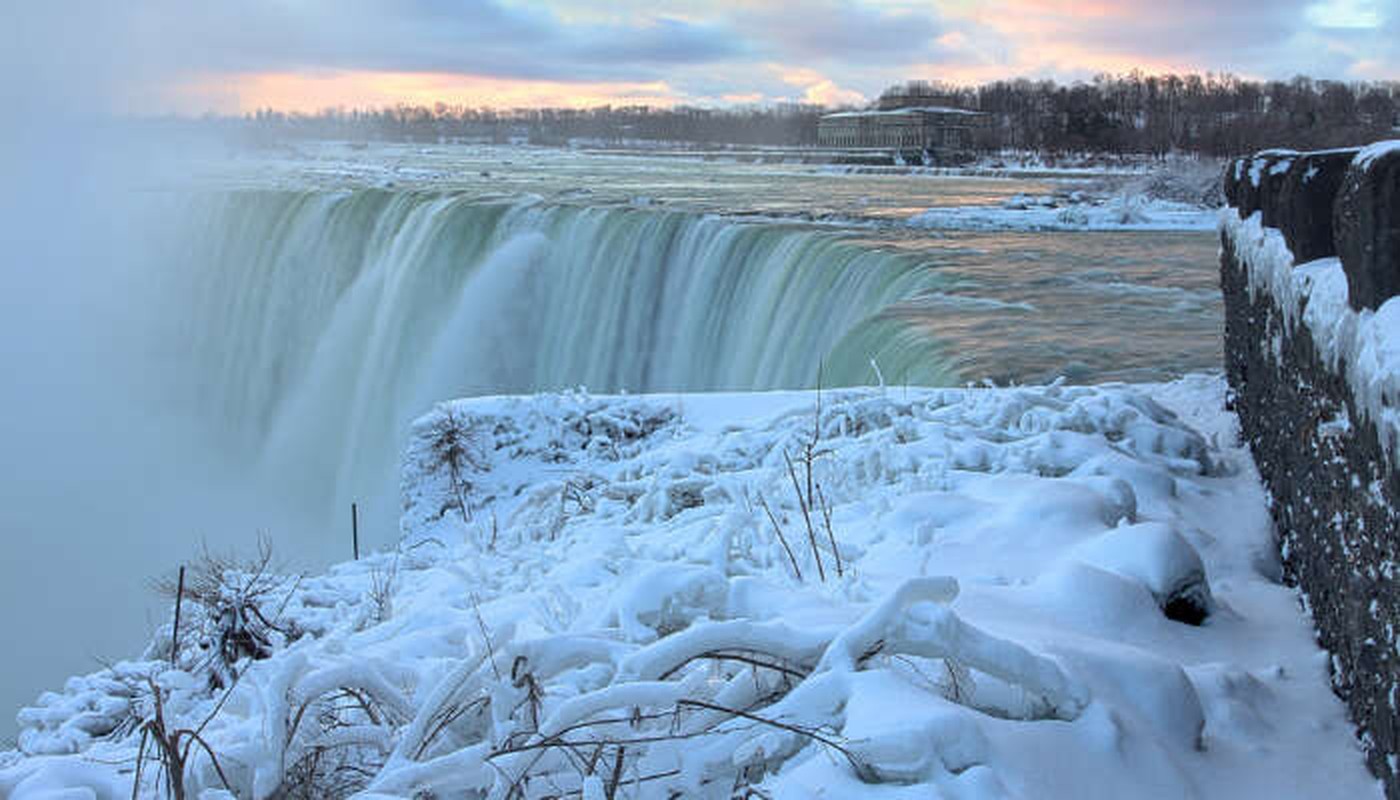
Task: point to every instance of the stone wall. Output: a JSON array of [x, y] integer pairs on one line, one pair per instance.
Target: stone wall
[[1324, 443]]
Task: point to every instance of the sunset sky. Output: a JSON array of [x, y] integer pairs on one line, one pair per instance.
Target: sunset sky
[[311, 54]]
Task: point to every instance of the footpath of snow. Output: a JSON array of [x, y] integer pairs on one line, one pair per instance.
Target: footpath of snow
[[591, 600], [1077, 212], [1363, 346]]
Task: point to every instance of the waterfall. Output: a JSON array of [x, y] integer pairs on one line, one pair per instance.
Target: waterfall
[[313, 326]]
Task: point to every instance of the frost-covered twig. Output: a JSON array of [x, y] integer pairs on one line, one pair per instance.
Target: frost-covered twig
[[859, 766], [802, 503], [743, 658], [830, 534], [778, 529], [173, 747], [486, 638], [381, 590]]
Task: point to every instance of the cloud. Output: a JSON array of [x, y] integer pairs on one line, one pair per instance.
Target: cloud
[[352, 89], [830, 31], [664, 41], [827, 93], [475, 37], [1345, 14], [1255, 38], [708, 53], [1184, 31]]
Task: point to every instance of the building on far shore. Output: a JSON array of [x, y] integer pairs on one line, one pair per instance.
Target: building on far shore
[[913, 122]]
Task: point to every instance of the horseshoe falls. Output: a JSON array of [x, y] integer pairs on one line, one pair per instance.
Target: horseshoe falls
[[313, 326]]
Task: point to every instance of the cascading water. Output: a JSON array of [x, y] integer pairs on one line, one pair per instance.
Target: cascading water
[[317, 325]]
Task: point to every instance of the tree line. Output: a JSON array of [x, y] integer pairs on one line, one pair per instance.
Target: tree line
[[1208, 114], [1133, 113], [784, 124]]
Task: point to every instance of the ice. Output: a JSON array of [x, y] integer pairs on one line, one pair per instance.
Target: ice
[[1120, 213], [592, 588], [1363, 346]]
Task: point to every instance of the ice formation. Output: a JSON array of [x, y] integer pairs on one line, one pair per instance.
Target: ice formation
[[1362, 346]]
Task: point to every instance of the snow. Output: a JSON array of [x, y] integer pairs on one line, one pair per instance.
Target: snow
[[1374, 151], [590, 587], [1125, 212], [1256, 164], [1362, 346]]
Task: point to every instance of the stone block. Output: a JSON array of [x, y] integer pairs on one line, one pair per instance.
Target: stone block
[[1260, 180], [1304, 208], [1366, 225]]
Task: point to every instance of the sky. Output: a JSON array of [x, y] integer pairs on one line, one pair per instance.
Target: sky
[[313, 54]]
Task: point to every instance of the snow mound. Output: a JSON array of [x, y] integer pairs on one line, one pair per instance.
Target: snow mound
[[856, 593]]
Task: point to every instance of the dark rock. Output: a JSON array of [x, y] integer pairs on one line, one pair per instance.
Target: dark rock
[[1234, 172], [1189, 603], [1366, 226], [1186, 609], [1258, 178], [1271, 179], [1303, 211]]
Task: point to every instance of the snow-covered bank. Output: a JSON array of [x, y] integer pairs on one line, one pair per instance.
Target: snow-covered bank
[[647, 591], [1076, 211], [1182, 195]]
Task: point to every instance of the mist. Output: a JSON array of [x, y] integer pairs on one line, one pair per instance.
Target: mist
[[103, 484]]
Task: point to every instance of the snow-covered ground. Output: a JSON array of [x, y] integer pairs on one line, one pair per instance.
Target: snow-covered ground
[[969, 593]]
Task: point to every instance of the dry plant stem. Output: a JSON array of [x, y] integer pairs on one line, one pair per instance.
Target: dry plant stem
[[363, 703], [296, 721], [810, 456], [140, 761], [566, 744], [816, 434], [778, 529], [557, 739], [611, 789], [173, 756], [486, 638], [856, 764], [285, 600], [740, 657], [381, 590], [219, 706], [830, 534], [655, 776], [453, 714], [806, 513], [453, 449]]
